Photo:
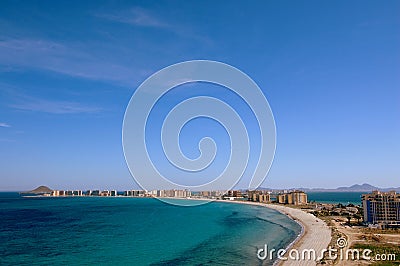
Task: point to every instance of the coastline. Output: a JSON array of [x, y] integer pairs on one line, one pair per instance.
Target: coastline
[[315, 233]]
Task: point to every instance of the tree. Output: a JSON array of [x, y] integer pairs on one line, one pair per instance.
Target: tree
[[348, 219], [358, 217]]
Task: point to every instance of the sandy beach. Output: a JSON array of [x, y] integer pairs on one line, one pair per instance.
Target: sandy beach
[[315, 235]]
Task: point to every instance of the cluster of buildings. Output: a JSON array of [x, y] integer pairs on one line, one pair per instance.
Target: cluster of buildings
[[172, 193], [292, 197], [382, 209], [215, 194], [128, 193], [164, 193], [233, 195], [295, 197], [259, 196], [64, 193]]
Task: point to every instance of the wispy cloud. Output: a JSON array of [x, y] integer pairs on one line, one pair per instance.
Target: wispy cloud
[[4, 125], [135, 16], [20, 100], [54, 107], [106, 59], [140, 17], [6, 140], [65, 59]]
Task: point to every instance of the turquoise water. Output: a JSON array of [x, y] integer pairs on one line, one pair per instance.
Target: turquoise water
[[336, 197], [136, 231]]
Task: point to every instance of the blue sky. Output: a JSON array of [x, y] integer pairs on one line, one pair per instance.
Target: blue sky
[[330, 71]]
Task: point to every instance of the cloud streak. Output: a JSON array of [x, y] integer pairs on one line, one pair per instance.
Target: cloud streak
[[139, 17], [106, 60], [135, 16], [4, 125], [6, 140], [62, 58], [54, 107]]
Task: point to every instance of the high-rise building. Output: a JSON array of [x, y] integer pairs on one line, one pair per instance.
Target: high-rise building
[[293, 197], [77, 193], [234, 193], [382, 208], [259, 196]]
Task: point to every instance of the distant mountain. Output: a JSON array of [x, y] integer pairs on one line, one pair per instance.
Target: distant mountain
[[354, 188], [359, 188], [39, 190]]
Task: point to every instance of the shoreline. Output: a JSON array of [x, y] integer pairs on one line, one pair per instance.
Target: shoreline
[[315, 233]]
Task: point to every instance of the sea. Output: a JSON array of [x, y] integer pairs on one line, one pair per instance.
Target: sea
[[344, 198], [136, 231]]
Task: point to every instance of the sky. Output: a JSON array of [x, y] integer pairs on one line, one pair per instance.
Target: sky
[[329, 69]]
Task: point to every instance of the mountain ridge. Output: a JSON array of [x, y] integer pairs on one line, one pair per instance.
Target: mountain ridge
[[353, 188]]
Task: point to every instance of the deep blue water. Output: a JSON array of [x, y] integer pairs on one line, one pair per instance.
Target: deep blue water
[[336, 197], [136, 231]]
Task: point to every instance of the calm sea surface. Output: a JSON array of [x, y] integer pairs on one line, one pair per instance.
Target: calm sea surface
[[135, 231], [336, 197]]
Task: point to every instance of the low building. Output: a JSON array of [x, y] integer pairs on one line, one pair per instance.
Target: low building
[[382, 208]]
